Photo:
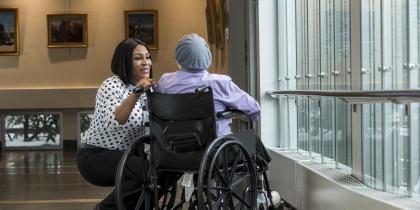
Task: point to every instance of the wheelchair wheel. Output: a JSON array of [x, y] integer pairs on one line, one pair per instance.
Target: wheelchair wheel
[[227, 178], [148, 192]]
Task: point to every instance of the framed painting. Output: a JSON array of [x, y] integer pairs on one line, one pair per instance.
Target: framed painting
[[67, 30], [9, 31], [143, 25]]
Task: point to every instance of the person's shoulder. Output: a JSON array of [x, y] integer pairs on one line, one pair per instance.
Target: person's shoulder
[[113, 81], [169, 74], [219, 78], [112, 78]]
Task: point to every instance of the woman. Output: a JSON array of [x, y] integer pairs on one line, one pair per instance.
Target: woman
[[119, 119]]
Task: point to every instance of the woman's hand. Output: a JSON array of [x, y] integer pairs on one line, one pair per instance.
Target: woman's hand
[[122, 112], [145, 83]]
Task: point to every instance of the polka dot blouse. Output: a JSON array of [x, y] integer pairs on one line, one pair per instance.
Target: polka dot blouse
[[104, 130]]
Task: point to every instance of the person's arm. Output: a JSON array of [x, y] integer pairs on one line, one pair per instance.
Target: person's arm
[[240, 100], [123, 111]]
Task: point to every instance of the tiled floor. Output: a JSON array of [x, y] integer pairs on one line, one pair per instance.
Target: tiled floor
[[45, 180]]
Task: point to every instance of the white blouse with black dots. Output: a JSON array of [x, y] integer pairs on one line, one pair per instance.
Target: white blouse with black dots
[[104, 130]]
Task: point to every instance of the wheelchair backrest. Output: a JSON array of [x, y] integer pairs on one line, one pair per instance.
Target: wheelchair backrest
[[181, 127]]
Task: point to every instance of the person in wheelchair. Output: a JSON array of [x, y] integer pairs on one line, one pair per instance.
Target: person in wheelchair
[[120, 118], [194, 57]]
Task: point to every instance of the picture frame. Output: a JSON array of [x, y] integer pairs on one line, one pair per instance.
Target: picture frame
[[9, 31], [143, 25], [67, 30]]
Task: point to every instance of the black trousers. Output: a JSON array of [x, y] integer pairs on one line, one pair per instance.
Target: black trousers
[[99, 166]]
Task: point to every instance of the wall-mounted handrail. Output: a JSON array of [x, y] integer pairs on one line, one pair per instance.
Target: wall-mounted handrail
[[394, 96]]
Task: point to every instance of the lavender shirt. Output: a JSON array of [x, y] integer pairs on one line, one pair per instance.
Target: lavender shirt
[[226, 94]]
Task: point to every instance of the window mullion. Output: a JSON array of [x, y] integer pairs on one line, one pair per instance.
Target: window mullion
[[355, 66]]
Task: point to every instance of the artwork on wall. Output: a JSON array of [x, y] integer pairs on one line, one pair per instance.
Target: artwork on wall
[[9, 31], [67, 30], [143, 24]]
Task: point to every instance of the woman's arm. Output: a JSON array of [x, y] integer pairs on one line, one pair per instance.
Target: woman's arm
[[122, 112]]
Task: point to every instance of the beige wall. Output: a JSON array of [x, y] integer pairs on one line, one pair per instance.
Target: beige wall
[[66, 79], [39, 67]]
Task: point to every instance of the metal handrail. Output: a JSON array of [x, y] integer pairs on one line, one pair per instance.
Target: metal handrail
[[354, 97]]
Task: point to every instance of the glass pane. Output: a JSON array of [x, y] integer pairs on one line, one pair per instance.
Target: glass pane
[[326, 44], [327, 123], [372, 146], [341, 48], [84, 122], [371, 44], [412, 62], [343, 133], [32, 130], [314, 126], [302, 125], [411, 132], [301, 43], [292, 125]]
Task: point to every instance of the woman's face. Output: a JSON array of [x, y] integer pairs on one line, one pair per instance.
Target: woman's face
[[141, 63]]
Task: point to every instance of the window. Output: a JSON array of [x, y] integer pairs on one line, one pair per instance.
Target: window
[[390, 58], [83, 120], [316, 37], [315, 48], [32, 130]]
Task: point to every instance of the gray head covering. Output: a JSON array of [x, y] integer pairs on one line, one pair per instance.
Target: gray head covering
[[192, 53]]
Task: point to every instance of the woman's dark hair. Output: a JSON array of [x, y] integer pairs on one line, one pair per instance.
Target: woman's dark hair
[[122, 61]]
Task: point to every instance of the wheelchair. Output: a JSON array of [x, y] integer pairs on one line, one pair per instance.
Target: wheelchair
[[218, 173]]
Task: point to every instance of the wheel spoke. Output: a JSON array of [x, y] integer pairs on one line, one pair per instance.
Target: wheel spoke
[[147, 201], [140, 201], [231, 204], [133, 192], [219, 188], [214, 197], [225, 201], [220, 175], [240, 180], [219, 200], [240, 199], [225, 164], [235, 163], [132, 171]]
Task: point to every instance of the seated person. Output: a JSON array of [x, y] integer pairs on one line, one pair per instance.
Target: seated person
[[193, 55]]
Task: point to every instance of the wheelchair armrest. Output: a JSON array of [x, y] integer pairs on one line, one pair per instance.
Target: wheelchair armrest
[[230, 113]]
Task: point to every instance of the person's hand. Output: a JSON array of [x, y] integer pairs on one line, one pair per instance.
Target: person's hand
[[143, 85], [146, 83]]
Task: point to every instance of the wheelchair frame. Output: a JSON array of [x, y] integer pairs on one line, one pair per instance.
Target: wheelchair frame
[[216, 174]]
